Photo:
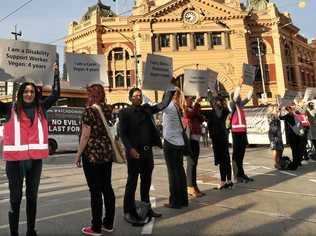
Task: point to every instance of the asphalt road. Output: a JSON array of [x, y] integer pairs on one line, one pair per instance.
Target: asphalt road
[[276, 203]]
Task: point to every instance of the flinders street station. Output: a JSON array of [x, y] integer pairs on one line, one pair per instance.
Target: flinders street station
[[219, 35]]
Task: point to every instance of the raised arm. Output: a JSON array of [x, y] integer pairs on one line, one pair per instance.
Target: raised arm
[[163, 104], [51, 99]]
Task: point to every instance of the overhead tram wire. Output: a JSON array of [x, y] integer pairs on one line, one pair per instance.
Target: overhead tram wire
[[20, 7]]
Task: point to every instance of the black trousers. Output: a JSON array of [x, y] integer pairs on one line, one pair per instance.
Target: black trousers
[[176, 175], [239, 148], [144, 167], [99, 181], [192, 162], [32, 180], [297, 145], [221, 155]]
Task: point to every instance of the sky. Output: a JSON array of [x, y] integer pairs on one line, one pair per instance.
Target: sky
[[46, 21]]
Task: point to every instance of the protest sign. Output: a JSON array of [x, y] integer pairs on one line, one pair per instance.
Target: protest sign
[[288, 98], [249, 73], [196, 82], [310, 93], [26, 61], [86, 69], [158, 73], [212, 81]]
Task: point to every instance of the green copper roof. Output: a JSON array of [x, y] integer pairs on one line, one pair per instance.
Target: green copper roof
[[104, 10]]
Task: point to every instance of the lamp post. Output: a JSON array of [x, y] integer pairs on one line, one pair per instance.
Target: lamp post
[[264, 95]]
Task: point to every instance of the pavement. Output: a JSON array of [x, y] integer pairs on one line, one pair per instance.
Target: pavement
[[276, 203]]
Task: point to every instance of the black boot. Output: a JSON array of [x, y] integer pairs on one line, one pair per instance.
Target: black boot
[[14, 223], [31, 205]]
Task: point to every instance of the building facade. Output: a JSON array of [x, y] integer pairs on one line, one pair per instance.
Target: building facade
[[219, 35]]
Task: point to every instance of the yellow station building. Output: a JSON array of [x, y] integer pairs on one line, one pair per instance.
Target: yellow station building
[[219, 35]]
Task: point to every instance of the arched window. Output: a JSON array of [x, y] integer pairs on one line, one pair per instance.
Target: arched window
[[254, 48], [119, 79]]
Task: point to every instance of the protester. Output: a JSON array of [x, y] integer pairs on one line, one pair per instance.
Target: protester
[[139, 134], [275, 135], [95, 152], [239, 133], [204, 131], [311, 113], [219, 134], [173, 147], [294, 132], [25, 144], [192, 120]]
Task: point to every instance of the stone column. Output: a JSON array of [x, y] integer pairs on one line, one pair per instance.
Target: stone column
[[190, 41]]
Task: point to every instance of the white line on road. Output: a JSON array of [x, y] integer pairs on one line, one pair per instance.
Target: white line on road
[[313, 180], [148, 228], [52, 217], [288, 173]]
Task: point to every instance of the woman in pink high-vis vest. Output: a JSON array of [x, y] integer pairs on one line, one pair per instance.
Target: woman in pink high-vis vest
[[25, 144]]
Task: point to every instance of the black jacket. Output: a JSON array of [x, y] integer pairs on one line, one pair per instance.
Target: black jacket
[[137, 128]]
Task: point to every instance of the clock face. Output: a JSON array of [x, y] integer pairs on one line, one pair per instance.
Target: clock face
[[190, 17]]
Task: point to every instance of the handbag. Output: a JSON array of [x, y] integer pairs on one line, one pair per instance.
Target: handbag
[[118, 152], [187, 150], [297, 128]]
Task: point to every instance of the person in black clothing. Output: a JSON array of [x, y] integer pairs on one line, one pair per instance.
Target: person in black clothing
[[139, 134], [216, 121], [29, 103], [294, 136]]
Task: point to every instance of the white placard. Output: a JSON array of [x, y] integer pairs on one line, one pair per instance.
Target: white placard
[[310, 93], [212, 81], [249, 73], [158, 73], [86, 69], [196, 82], [288, 98], [26, 61]]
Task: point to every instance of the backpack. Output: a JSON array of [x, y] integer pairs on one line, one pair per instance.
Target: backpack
[[285, 162]]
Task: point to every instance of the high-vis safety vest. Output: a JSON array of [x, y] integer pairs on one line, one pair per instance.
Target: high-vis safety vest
[[23, 141], [303, 119], [239, 120]]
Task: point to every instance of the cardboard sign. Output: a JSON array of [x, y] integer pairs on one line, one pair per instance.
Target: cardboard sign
[[158, 73], [86, 69], [310, 93], [26, 61], [249, 73], [288, 98], [196, 82], [212, 81]]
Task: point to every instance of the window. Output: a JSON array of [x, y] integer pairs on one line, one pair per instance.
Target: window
[[199, 39], [128, 78], [216, 38], [265, 73], [164, 40], [181, 40], [254, 48], [119, 79], [290, 74], [110, 78], [118, 54]]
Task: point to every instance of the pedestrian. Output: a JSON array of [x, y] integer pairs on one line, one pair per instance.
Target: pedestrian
[[25, 144], [311, 113], [96, 153], [219, 134], [239, 133], [204, 131], [275, 135], [294, 135], [192, 120], [173, 148], [139, 134]]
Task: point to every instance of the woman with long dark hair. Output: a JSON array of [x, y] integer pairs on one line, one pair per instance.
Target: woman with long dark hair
[[95, 152], [25, 144]]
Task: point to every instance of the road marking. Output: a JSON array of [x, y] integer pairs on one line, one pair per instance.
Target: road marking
[[313, 180], [51, 217], [288, 173], [152, 188], [148, 228]]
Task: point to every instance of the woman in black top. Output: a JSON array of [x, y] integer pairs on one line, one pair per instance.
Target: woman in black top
[[28, 100], [219, 135]]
